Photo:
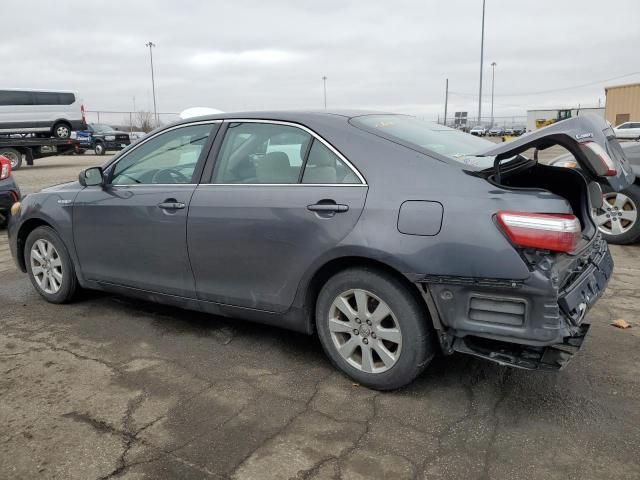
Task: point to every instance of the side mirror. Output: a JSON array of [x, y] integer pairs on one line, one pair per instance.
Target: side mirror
[[91, 177]]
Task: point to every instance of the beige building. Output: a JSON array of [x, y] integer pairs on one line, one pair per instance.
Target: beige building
[[623, 103]]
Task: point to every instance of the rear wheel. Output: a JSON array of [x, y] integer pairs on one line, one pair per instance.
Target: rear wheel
[[14, 157], [373, 329], [49, 266], [61, 130], [617, 219]]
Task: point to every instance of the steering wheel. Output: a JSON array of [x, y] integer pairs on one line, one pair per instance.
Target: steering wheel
[[169, 175]]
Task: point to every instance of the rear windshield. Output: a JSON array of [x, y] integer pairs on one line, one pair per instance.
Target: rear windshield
[[427, 137]]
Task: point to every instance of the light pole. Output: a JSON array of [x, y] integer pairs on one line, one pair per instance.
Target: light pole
[[481, 62], [493, 83], [324, 85], [153, 82]]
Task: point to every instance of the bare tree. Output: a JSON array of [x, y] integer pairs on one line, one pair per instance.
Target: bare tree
[[144, 121]]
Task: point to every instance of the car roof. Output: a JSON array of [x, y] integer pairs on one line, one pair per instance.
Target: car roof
[[295, 116], [45, 90]]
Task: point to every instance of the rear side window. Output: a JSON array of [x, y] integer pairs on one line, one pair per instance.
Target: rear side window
[[67, 98], [324, 167], [14, 97], [54, 98], [261, 153]]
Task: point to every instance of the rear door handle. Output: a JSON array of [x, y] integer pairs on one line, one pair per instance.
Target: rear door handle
[[171, 205], [328, 207]]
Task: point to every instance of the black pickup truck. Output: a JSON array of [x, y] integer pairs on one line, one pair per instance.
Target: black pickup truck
[[100, 138]]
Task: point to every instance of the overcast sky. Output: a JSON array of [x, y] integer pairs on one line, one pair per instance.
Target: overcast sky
[[271, 54]]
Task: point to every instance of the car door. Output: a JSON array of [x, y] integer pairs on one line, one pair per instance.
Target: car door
[[279, 198], [132, 231]]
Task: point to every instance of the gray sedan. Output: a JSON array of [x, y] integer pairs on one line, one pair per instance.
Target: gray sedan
[[391, 238]]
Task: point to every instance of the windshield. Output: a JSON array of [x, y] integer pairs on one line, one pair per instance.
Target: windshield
[[101, 127], [421, 135]]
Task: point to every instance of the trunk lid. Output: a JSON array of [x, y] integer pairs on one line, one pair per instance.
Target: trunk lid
[[575, 134]]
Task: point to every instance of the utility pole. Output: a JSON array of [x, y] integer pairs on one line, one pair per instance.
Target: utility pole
[[153, 82], [324, 84], [493, 83], [446, 100], [481, 62]]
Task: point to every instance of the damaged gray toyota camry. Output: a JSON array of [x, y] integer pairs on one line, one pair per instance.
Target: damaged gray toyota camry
[[392, 238]]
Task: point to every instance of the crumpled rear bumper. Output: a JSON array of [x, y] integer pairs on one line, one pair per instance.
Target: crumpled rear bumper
[[533, 324]]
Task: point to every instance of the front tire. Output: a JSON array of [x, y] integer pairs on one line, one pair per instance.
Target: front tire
[[49, 266], [373, 329], [99, 148]]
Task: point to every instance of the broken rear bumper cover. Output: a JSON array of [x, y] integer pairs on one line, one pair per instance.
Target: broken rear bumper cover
[[532, 324]]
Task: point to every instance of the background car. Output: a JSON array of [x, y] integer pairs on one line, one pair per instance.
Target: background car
[[44, 112], [617, 219], [495, 131], [628, 130], [9, 191], [479, 131], [101, 138]]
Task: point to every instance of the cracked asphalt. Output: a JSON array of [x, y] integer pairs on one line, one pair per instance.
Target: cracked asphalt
[[108, 387]]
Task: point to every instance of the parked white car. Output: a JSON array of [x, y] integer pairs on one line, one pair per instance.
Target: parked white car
[[628, 130], [52, 113], [479, 130]]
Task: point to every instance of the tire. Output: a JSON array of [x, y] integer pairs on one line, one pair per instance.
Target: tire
[[625, 228], [407, 352], [99, 148], [61, 130], [41, 240], [14, 156]]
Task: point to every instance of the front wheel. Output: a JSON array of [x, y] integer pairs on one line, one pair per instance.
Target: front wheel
[[99, 148], [373, 328], [617, 219], [49, 266]]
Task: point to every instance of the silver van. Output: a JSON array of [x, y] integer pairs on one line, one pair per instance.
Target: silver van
[[52, 112]]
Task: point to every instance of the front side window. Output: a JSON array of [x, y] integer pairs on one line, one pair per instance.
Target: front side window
[[261, 153], [168, 158]]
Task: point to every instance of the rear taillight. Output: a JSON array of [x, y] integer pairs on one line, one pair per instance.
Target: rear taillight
[[594, 150], [5, 167], [543, 231]]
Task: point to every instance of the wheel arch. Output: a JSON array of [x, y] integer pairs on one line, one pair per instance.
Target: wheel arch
[[66, 121], [331, 267]]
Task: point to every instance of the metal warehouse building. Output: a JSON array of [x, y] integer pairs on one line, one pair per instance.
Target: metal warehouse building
[[623, 103]]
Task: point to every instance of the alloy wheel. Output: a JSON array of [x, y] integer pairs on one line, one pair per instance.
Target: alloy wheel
[[365, 331], [46, 266], [62, 131], [617, 215]]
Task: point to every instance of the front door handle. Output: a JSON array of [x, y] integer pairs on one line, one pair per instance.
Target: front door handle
[[171, 204], [328, 207]]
